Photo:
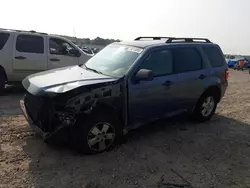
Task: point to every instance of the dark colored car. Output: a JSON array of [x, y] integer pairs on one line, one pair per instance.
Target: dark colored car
[[126, 85], [95, 50], [87, 50]]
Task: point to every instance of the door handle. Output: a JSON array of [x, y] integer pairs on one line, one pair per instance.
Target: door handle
[[202, 76], [167, 83], [54, 59], [20, 57]]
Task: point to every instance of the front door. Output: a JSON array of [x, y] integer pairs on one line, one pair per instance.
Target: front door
[[29, 55], [150, 100], [59, 53]]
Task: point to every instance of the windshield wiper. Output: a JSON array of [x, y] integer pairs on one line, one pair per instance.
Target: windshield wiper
[[96, 71]]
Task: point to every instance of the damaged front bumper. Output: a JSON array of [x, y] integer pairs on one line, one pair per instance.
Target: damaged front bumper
[[37, 130]]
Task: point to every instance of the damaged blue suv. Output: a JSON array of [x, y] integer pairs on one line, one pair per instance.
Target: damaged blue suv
[[126, 85]]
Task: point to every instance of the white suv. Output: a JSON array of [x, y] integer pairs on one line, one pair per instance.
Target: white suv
[[23, 53]]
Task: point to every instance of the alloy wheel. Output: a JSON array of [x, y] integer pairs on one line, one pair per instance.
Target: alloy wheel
[[101, 137], [207, 106]]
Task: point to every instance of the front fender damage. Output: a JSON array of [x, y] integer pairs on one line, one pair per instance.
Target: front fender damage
[[84, 103], [99, 94]]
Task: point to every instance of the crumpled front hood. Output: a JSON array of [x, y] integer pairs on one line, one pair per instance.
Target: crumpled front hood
[[62, 80]]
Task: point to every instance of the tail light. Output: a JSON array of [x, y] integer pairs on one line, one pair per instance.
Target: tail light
[[226, 75]]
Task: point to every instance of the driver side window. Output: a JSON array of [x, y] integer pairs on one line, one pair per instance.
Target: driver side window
[[159, 62], [60, 47]]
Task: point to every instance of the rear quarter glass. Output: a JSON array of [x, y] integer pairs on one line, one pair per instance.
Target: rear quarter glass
[[214, 55], [3, 39]]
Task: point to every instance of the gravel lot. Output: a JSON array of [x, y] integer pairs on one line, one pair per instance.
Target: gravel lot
[[213, 154]]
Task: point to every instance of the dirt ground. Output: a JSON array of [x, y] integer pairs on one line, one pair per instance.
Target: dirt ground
[[213, 154]]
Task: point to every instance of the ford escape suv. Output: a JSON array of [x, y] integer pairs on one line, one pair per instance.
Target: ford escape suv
[[126, 85]]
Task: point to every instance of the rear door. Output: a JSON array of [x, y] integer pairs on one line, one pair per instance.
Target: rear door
[[59, 53], [29, 55], [191, 73]]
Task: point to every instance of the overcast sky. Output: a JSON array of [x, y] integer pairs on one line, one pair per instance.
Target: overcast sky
[[226, 22]]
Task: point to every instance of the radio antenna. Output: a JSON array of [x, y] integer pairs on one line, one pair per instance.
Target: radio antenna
[[75, 35]]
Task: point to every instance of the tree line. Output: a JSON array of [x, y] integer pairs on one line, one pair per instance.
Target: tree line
[[88, 41]]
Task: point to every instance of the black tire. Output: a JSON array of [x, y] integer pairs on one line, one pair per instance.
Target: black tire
[[197, 113], [2, 81], [81, 133]]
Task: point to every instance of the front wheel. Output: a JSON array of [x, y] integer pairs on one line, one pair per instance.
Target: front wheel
[[205, 107], [97, 134]]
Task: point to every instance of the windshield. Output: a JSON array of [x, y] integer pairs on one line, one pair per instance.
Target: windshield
[[114, 60]]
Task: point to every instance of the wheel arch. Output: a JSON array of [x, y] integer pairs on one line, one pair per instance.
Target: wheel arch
[[109, 110], [215, 90], [5, 75], [211, 89]]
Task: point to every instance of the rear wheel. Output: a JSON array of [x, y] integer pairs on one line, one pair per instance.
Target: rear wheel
[[97, 134], [2, 81], [205, 107]]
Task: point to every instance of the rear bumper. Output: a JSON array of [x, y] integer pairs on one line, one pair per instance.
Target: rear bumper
[[31, 123]]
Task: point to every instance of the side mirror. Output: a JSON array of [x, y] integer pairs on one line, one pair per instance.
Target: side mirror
[[144, 75], [74, 52]]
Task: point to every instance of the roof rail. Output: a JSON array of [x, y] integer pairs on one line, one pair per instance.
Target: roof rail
[[31, 31], [154, 38], [188, 39], [171, 39], [3, 29]]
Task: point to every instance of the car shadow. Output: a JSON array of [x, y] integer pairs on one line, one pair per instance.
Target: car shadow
[[206, 154], [14, 90], [10, 100]]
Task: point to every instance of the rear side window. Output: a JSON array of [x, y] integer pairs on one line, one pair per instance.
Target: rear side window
[[214, 56], [160, 62], [3, 39], [186, 60], [30, 44]]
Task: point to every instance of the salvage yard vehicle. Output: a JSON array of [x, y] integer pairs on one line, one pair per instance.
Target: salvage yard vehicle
[[23, 53], [233, 60], [124, 86]]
